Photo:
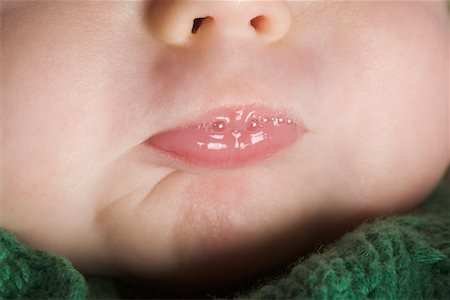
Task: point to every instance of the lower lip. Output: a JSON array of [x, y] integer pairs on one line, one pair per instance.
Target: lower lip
[[230, 137]]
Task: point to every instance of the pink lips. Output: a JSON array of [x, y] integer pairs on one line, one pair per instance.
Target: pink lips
[[230, 137]]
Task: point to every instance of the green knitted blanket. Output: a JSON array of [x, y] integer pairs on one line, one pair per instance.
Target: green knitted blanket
[[398, 257]]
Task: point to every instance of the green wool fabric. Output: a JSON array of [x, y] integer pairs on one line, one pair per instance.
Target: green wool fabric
[[396, 257]]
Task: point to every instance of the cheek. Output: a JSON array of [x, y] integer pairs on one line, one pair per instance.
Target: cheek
[[380, 113], [53, 128], [60, 121], [412, 103], [52, 136], [393, 122]]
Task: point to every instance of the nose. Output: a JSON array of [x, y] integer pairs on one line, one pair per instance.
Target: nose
[[181, 22]]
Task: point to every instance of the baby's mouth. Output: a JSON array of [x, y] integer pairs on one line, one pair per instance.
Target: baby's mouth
[[230, 137]]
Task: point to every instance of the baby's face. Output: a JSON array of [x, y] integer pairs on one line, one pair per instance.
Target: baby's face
[[88, 86]]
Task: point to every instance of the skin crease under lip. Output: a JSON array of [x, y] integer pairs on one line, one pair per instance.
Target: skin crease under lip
[[109, 188]]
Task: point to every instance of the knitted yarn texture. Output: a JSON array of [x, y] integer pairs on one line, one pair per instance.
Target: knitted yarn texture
[[28, 273], [397, 257], [400, 257]]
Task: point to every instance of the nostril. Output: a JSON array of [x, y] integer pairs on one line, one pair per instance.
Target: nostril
[[260, 23], [198, 22], [183, 23]]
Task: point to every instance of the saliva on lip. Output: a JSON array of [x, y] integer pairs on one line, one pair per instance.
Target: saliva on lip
[[239, 132], [231, 138]]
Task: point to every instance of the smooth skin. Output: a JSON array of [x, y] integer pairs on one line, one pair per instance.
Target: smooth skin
[[86, 83]]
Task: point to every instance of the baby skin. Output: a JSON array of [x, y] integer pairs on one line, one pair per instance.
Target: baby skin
[[198, 143]]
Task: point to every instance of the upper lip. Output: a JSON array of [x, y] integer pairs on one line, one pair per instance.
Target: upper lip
[[195, 109]]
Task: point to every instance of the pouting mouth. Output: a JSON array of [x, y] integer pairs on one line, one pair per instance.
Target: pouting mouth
[[230, 137]]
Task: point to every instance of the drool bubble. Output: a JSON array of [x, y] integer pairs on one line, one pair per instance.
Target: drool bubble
[[219, 126], [253, 124]]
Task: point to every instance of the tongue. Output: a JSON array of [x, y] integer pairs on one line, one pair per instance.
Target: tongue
[[230, 137]]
